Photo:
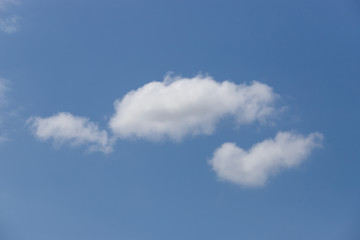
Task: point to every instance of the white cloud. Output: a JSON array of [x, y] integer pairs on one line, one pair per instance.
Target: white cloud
[[178, 107], [253, 167], [66, 128]]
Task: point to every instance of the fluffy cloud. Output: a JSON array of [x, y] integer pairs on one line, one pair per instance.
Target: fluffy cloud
[[66, 128], [178, 107], [8, 24], [253, 167]]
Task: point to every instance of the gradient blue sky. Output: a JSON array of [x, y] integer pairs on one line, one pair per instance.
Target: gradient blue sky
[[80, 56]]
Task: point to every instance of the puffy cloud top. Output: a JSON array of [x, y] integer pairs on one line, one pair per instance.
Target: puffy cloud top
[[178, 107], [253, 167]]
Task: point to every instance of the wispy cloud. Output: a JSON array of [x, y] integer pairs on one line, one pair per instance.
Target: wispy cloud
[[177, 107], [77, 131], [4, 4], [252, 168], [4, 88], [8, 24], [3, 139]]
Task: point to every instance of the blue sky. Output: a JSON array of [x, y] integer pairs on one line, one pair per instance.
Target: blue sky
[[179, 120]]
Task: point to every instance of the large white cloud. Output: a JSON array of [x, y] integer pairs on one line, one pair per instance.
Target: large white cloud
[[253, 167], [66, 128], [178, 107]]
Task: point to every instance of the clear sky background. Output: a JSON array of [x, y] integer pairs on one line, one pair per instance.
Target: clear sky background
[[80, 56]]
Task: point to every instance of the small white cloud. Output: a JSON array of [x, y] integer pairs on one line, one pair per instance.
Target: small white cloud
[[10, 24], [66, 128], [253, 167], [178, 107]]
